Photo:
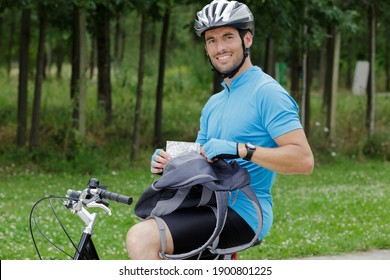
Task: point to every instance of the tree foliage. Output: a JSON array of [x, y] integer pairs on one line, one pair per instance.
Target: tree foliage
[[294, 32]]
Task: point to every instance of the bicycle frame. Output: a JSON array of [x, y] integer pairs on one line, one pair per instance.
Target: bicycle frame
[[86, 249]]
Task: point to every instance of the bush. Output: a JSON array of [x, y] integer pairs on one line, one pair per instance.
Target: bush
[[378, 146]]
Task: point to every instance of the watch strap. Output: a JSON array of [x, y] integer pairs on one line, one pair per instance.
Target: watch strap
[[249, 152]]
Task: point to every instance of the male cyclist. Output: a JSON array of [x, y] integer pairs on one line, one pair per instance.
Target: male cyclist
[[253, 119]]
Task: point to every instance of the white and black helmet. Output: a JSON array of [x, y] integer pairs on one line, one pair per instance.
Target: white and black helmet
[[224, 13]]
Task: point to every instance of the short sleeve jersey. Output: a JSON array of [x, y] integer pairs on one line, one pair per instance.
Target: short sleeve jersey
[[255, 109]]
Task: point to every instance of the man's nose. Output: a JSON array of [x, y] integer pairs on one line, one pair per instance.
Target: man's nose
[[220, 47]]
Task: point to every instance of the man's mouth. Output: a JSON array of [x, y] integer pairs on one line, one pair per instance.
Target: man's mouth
[[223, 57]]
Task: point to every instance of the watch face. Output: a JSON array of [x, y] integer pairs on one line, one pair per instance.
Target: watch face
[[251, 146]]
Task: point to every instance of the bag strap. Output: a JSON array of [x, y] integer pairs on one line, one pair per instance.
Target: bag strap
[[212, 242], [221, 200], [250, 194], [163, 236]]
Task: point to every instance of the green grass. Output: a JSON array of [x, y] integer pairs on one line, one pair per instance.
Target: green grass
[[342, 207]]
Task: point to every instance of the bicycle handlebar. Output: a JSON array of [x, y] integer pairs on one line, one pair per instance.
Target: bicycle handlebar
[[116, 197], [95, 193]]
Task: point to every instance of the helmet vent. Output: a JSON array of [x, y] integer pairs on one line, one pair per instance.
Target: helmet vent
[[223, 8]]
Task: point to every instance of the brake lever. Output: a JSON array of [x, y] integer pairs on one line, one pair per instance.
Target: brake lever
[[95, 204]]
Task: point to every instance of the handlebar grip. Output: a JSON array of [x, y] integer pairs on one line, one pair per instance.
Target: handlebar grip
[[116, 197], [73, 194]]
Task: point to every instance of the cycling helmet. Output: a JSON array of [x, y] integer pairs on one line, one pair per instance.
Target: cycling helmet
[[224, 13]]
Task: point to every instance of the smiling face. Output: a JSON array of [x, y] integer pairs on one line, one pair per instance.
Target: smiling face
[[224, 48]]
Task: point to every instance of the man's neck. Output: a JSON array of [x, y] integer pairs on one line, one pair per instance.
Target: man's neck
[[247, 64]]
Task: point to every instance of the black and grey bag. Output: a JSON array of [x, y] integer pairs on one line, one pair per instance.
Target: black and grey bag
[[189, 180]]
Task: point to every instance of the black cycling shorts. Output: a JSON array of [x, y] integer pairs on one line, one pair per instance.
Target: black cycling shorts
[[192, 227]]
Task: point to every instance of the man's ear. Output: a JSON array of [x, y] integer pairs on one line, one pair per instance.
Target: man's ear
[[248, 39]]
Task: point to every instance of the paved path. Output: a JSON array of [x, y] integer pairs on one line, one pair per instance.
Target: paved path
[[369, 255]]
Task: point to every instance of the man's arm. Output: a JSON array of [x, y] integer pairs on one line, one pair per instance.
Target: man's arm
[[293, 156]]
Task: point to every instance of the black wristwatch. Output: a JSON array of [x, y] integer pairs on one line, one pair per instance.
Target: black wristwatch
[[250, 149]]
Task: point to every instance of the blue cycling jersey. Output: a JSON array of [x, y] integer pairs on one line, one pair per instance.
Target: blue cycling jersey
[[254, 109]]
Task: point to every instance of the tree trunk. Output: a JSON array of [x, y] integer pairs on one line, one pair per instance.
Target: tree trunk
[[10, 45], [117, 38], [83, 70], [370, 117], [295, 74], [75, 61], [328, 68], [138, 107], [1, 38], [331, 81], [25, 33], [304, 89], [269, 59], [59, 53], [322, 72], [103, 61], [387, 63], [306, 101], [92, 56], [48, 60], [160, 83], [306, 83], [78, 88], [36, 114], [123, 46], [350, 55]]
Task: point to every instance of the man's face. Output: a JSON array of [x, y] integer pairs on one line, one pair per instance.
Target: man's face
[[224, 48]]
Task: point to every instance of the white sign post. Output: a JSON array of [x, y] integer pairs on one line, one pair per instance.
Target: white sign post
[[360, 79]]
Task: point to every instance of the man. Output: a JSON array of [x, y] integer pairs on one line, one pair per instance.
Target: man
[[253, 120]]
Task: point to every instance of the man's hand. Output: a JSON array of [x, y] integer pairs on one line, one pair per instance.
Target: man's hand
[[217, 148], [159, 160]]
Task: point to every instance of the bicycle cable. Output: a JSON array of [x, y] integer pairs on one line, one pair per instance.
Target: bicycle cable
[[32, 217]]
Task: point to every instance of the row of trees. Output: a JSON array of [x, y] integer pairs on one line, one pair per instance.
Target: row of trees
[[309, 34]]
